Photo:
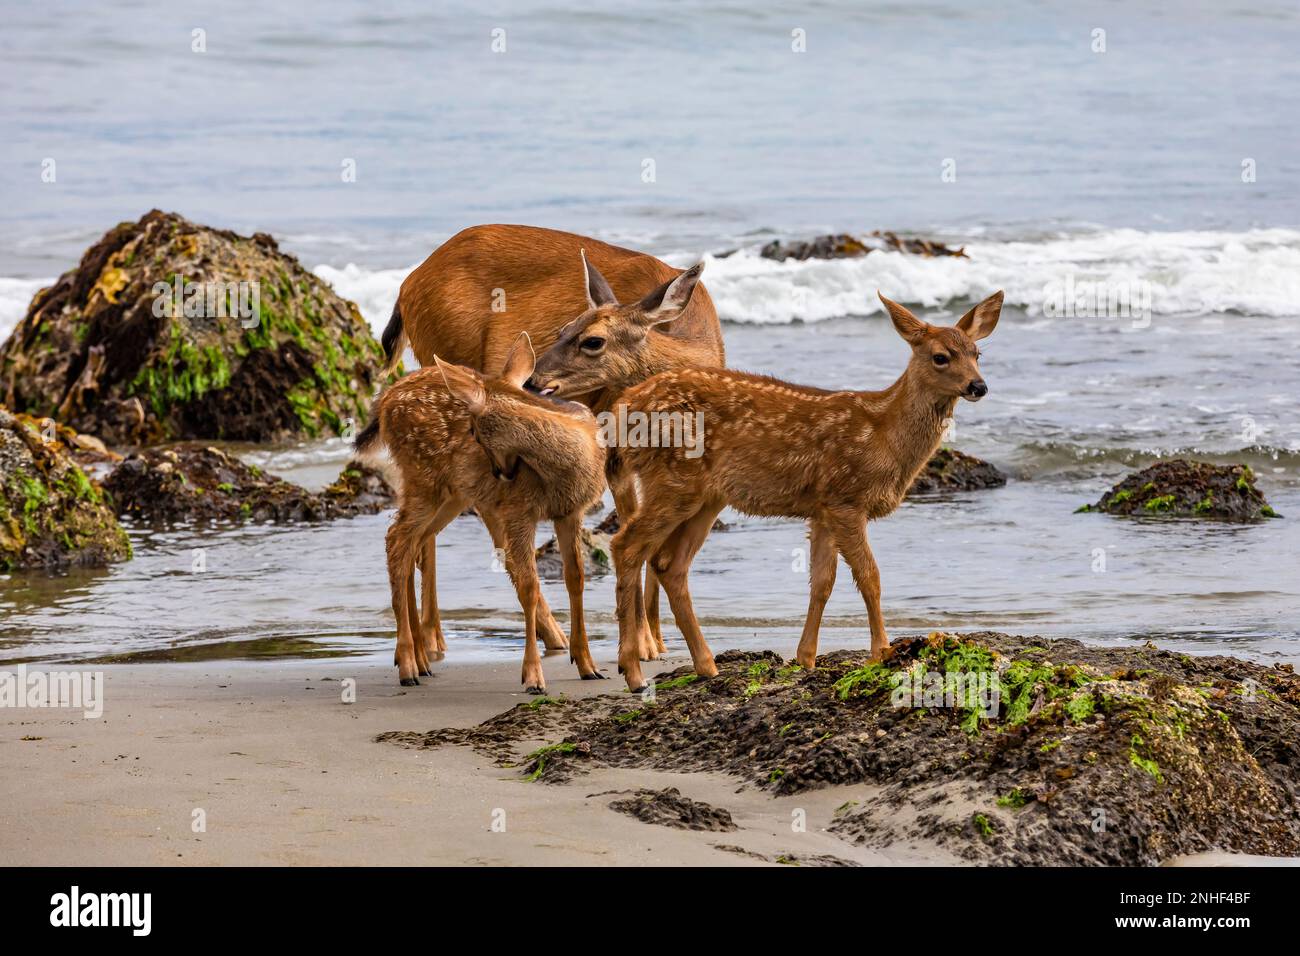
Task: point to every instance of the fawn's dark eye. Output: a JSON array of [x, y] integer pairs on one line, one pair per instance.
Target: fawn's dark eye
[[592, 343], [940, 359]]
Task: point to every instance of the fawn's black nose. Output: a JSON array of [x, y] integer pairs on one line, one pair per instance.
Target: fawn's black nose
[[977, 389]]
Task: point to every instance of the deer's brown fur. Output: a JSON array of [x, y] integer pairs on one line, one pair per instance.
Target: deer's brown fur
[[837, 459], [446, 304], [457, 440], [478, 291]]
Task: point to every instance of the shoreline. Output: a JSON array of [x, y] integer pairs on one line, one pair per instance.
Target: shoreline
[[287, 774]]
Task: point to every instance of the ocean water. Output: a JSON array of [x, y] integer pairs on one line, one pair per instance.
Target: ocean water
[[1161, 171]]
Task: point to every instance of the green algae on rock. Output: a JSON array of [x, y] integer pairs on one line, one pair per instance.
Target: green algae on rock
[[52, 515], [1084, 755], [1188, 489], [188, 483], [169, 330]]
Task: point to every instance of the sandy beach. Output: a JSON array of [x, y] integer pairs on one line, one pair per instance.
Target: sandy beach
[[287, 774]]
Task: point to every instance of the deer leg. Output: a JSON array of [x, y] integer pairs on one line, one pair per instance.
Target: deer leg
[[566, 532], [551, 632], [625, 501], [522, 565], [822, 561], [423, 667], [851, 539], [640, 536], [672, 565], [402, 536], [430, 623], [652, 611]]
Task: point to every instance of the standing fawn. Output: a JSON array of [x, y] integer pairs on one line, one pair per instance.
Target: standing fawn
[[457, 440], [469, 301], [838, 459]]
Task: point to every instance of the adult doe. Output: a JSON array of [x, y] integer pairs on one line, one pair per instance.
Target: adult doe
[[459, 440], [837, 459]]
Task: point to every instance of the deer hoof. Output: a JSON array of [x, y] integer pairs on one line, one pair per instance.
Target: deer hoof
[[410, 681], [594, 675], [534, 689]]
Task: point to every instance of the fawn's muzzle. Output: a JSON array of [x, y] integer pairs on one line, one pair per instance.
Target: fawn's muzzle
[[976, 389]]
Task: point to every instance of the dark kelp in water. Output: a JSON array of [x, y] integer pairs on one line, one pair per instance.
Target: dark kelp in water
[[1188, 489], [1087, 755]]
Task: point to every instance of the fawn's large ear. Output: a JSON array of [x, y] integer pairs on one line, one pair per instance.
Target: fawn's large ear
[[598, 291], [464, 385], [909, 326], [667, 302], [981, 320], [520, 361]]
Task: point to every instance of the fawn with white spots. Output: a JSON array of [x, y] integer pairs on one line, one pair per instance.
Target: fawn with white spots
[[458, 440], [835, 458]]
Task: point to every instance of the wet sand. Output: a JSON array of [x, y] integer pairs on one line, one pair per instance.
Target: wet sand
[[286, 773]]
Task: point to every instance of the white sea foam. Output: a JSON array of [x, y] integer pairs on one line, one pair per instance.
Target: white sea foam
[[373, 290], [1188, 273], [1194, 273], [15, 296]]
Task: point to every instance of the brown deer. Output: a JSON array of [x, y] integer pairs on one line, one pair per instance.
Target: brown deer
[[837, 459], [457, 440], [469, 301]]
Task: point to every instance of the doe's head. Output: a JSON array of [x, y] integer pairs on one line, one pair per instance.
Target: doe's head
[[945, 357], [606, 346], [505, 420]]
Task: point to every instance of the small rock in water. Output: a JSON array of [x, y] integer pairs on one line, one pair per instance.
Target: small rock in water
[[1188, 489], [951, 470], [595, 556], [845, 246], [189, 483]]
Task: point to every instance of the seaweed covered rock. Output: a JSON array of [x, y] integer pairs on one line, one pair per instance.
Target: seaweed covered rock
[[1188, 489], [168, 330], [52, 515], [595, 556], [951, 470], [1004, 749], [197, 484], [845, 246]]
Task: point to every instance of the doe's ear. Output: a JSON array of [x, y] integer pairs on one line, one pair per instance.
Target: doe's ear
[[464, 385], [598, 291], [669, 300], [981, 320], [519, 363], [906, 324]]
